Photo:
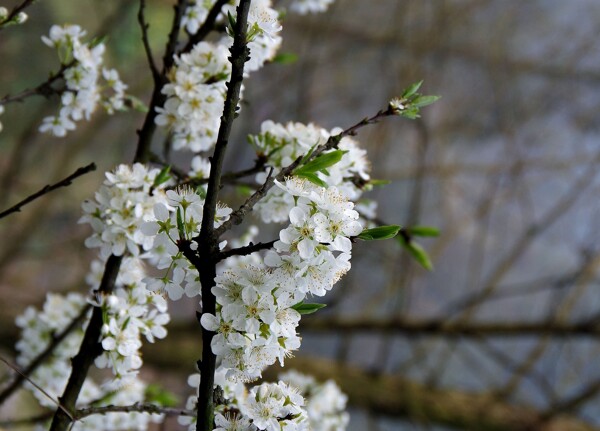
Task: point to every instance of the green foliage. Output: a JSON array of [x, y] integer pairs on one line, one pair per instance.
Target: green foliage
[[307, 308], [156, 394], [379, 232], [318, 164]]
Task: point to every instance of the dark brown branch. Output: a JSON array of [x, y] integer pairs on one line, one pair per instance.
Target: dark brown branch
[[238, 215], [42, 356], [140, 408], [206, 26], [89, 350], [246, 250], [44, 89], [47, 189], [146, 133], [208, 247], [16, 10], [148, 50]]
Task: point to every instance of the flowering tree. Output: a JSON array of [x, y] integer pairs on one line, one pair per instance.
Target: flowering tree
[[150, 214]]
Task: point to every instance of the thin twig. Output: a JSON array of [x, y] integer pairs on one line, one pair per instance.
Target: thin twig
[[47, 189], [144, 27], [16, 10], [146, 133], [44, 89], [246, 250], [61, 408], [206, 26], [238, 215], [89, 350]]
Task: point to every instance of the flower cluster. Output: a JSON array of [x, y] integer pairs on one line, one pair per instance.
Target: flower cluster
[[179, 219], [310, 6], [129, 313], [123, 203], [17, 19], [196, 89], [325, 402], [38, 330], [195, 97], [282, 144], [82, 77], [256, 321], [266, 407], [297, 402]]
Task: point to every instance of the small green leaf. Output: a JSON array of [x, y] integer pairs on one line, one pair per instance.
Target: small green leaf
[[135, 103], [244, 190], [424, 231], [307, 308], [418, 253], [422, 101], [285, 58], [162, 177], [321, 162], [155, 394], [412, 90], [379, 232], [201, 192], [180, 226], [379, 182], [313, 178]]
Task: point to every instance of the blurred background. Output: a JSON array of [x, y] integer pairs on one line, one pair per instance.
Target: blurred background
[[504, 333]]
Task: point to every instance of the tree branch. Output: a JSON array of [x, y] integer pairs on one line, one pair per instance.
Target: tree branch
[[89, 350], [16, 10], [206, 26], [238, 215], [144, 27], [246, 250], [47, 189], [146, 133], [44, 89], [208, 247]]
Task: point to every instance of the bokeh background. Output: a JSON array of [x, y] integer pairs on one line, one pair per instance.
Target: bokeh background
[[504, 332]]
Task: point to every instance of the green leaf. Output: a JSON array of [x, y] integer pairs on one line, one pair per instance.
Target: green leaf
[[285, 58], [379, 182], [418, 253], [379, 232], [412, 90], [162, 177], [307, 308], [307, 155], [321, 162], [313, 178], [422, 101], [156, 394], [244, 190], [135, 103], [180, 226], [424, 231]]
